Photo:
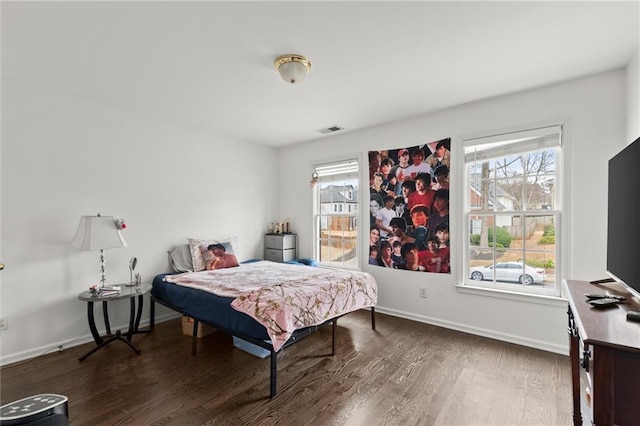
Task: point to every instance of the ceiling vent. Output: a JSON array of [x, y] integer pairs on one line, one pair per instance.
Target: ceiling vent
[[331, 129]]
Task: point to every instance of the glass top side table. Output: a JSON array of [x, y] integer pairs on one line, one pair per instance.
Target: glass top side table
[[126, 292]]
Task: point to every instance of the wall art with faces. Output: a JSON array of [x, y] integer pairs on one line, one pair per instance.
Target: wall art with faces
[[409, 207]]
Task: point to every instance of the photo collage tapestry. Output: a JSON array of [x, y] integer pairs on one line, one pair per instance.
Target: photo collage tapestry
[[409, 207]]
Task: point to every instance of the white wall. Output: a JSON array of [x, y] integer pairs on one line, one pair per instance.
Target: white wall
[[633, 98], [594, 109], [65, 157]]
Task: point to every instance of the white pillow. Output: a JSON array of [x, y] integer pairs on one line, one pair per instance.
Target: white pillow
[[198, 246]]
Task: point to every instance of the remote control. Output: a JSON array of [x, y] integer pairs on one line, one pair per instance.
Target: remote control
[[633, 316], [596, 296], [604, 303], [592, 296]]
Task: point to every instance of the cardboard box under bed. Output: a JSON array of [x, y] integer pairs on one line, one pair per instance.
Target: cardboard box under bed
[[203, 329]]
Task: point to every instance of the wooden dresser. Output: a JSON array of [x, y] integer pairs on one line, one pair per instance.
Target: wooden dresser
[[605, 356]]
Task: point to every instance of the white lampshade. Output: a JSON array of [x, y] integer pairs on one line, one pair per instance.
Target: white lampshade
[[98, 233], [292, 68]]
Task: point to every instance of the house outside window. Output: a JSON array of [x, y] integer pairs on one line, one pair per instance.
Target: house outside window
[[512, 211], [335, 214]]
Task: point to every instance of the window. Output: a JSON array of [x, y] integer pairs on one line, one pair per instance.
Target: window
[[336, 213], [512, 210]]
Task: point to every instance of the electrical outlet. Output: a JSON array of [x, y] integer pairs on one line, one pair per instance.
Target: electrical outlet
[[4, 323], [423, 293]]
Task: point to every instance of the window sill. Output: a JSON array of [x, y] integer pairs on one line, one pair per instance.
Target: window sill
[[334, 266], [542, 299]]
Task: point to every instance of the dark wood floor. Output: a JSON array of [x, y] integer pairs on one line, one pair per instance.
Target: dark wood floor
[[403, 373]]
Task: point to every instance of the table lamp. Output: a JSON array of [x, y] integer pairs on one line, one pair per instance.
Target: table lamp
[[99, 233]]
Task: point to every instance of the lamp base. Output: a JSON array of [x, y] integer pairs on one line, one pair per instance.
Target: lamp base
[[103, 271]]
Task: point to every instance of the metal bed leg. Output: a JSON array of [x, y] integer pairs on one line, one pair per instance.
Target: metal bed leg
[[152, 314], [373, 318], [333, 337], [194, 337], [274, 373]]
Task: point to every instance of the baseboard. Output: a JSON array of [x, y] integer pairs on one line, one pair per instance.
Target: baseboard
[[80, 340], [492, 334]]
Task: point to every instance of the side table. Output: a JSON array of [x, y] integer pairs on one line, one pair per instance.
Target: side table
[[132, 293]]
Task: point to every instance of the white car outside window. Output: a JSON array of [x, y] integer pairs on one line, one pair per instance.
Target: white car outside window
[[508, 271]]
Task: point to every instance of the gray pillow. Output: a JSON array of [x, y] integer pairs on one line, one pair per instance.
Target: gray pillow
[[180, 258]]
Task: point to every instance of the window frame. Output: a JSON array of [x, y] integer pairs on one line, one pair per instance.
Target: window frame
[[523, 140], [327, 171]]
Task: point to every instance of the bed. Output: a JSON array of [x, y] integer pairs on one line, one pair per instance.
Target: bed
[[271, 305]]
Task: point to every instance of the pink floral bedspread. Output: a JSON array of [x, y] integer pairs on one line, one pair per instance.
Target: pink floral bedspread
[[284, 297]]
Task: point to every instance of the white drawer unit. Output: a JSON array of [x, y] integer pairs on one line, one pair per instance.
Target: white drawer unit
[[280, 247]]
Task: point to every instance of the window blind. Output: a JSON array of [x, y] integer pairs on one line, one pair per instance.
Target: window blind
[[338, 168], [495, 146]]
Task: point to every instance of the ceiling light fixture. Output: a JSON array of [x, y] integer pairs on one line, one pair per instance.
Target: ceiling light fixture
[[292, 68]]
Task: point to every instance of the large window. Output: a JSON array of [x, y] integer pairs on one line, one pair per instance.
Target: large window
[[512, 211], [336, 214]]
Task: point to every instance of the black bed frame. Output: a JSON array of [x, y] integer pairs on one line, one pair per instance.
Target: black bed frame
[[297, 335]]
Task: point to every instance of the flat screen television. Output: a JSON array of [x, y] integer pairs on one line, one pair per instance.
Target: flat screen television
[[623, 228]]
